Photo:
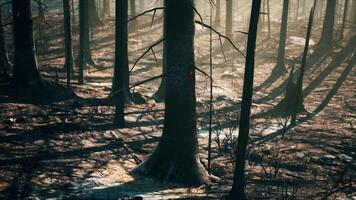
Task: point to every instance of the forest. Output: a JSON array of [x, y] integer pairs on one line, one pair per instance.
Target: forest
[[178, 99]]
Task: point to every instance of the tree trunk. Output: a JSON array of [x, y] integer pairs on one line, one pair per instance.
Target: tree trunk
[[84, 49], [25, 72], [121, 71], [346, 5], [269, 19], [106, 8], [41, 12], [73, 12], [327, 38], [94, 19], [5, 64], [217, 13], [68, 40], [159, 96], [237, 191], [176, 156], [298, 103], [283, 37], [228, 30], [133, 23]]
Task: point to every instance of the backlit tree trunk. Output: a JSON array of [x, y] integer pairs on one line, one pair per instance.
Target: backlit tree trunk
[[176, 156], [283, 37], [238, 187], [25, 73], [228, 30]]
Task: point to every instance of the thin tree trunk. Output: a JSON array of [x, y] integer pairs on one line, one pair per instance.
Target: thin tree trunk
[[94, 19], [25, 72], [121, 71], [83, 38], [238, 187], [106, 8], [299, 93], [346, 5], [283, 37], [176, 156], [68, 40], [134, 23], [211, 90], [73, 12], [269, 19], [41, 12]]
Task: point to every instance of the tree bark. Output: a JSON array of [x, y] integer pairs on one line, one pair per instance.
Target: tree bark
[[68, 65], [237, 191], [84, 49], [25, 72], [120, 88], [283, 37], [176, 156]]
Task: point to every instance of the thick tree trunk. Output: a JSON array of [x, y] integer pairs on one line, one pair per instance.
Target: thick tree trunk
[[237, 191], [121, 71], [159, 96], [283, 37], [94, 19], [68, 65], [327, 34], [25, 73], [5, 64], [217, 13], [176, 156], [228, 30]]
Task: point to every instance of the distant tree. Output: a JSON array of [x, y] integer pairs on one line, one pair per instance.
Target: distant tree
[[217, 13], [120, 88], [238, 187], [25, 72], [84, 56], [68, 40], [283, 37], [94, 19], [133, 23], [344, 17], [41, 12], [228, 30], [176, 156], [327, 34], [106, 8], [5, 63]]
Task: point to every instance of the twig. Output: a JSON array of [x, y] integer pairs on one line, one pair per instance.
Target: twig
[[147, 11]]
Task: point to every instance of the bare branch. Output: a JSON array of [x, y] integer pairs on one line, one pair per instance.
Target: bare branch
[[147, 11]]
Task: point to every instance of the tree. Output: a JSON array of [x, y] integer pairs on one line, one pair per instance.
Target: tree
[[217, 14], [237, 191], [298, 103], [176, 156], [283, 37], [25, 73], [5, 64], [120, 89], [68, 40], [344, 17], [84, 57], [106, 8], [159, 96], [133, 23], [41, 12], [327, 38], [228, 27], [94, 19]]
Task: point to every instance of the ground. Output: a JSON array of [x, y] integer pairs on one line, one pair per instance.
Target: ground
[[71, 149]]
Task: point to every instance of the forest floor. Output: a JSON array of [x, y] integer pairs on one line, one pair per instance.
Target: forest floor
[[70, 149]]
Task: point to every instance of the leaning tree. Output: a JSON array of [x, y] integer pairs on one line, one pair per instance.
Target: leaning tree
[[237, 191], [176, 156]]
